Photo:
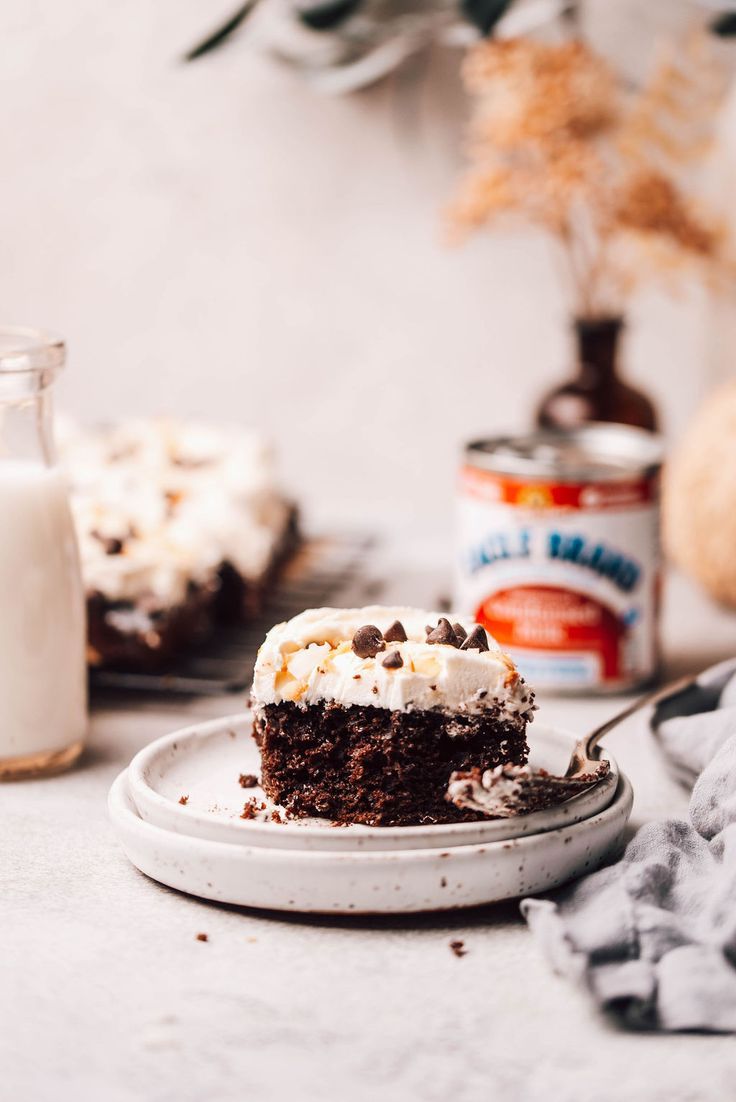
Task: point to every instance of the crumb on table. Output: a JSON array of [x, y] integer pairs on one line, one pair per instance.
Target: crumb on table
[[458, 947], [183, 800], [203, 937], [247, 780]]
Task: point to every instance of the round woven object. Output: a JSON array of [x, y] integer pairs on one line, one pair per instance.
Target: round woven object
[[700, 497]]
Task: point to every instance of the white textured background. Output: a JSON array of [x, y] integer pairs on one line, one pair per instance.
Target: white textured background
[[219, 239]]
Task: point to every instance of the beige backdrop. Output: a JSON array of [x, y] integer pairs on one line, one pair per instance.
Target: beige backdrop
[[218, 239]]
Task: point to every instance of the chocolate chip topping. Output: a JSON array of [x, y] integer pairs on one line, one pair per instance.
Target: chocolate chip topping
[[395, 634], [460, 633], [368, 641], [477, 640], [112, 544], [393, 661], [443, 633]]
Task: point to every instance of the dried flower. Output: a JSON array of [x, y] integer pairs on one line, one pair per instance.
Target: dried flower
[[529, 91], [649, 203], [671, 119], [557, 142]]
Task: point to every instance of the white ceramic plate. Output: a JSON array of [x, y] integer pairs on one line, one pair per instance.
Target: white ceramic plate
[[203, 763], [364, 881]]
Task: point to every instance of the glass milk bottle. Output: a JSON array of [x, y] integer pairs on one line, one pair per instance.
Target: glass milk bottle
[[43, 695]]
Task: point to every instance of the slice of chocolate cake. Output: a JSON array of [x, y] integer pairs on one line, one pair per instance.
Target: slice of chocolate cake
[[361, 715], [181, 528]]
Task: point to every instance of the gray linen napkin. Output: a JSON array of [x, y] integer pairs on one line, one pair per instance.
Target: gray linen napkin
[[654, 935]]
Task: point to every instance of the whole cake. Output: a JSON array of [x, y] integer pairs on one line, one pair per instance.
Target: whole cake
[[362, 715], [181, 526]]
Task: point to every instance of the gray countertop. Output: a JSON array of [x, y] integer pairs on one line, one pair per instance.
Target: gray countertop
[[106, 994]]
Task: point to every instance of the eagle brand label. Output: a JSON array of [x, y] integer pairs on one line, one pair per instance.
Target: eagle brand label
[[564, 575]]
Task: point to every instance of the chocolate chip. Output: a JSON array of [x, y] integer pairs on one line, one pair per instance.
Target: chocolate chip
[[368, 641], [112, 544], [393, 661], [477, 640], [443, 633], [395, 634], [460, 633]]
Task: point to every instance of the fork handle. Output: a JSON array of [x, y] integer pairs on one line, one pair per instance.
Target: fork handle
[[587, 745]]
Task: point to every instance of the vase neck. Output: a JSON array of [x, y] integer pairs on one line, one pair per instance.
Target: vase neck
[[597, 346]]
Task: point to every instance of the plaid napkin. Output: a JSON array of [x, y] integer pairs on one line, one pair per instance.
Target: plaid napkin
[[653, 937]]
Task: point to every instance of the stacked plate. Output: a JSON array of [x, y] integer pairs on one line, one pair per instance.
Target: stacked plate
[[178, 807]]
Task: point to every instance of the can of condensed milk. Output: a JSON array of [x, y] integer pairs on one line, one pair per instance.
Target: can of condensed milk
[[558, 553]]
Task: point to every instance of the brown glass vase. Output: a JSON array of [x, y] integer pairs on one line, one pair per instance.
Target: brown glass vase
[[596, 392]]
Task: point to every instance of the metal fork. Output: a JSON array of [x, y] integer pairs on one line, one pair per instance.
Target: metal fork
[[510, 790]]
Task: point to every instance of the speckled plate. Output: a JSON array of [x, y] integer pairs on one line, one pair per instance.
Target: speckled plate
[[362, 881], [201, 765]]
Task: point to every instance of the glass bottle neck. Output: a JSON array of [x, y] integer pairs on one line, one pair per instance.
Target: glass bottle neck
[[30, 360], [26, 428], [597, 345]]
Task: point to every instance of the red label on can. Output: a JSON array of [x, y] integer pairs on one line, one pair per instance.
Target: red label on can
[[565, 575], [546, 618], [548, 495]]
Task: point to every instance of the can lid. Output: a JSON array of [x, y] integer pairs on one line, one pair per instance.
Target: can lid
[[596, 452]]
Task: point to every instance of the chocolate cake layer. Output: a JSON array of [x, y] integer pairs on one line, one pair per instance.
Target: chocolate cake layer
[[377, 766], [126, 635]]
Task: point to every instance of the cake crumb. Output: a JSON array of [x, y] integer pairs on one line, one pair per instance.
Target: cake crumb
[[251, 808], [183, 800], [203, 937], [458, 947], [247, 780], [275, 817]]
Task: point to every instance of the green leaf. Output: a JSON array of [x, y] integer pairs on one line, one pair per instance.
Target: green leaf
[[325, 17], [485, 13], [216, 38], [724, 25]]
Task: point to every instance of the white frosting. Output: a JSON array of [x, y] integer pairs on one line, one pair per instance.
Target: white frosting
[[184, 497], [310, 659]]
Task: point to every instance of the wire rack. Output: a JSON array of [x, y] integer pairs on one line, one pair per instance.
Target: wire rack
[[322, 569]]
